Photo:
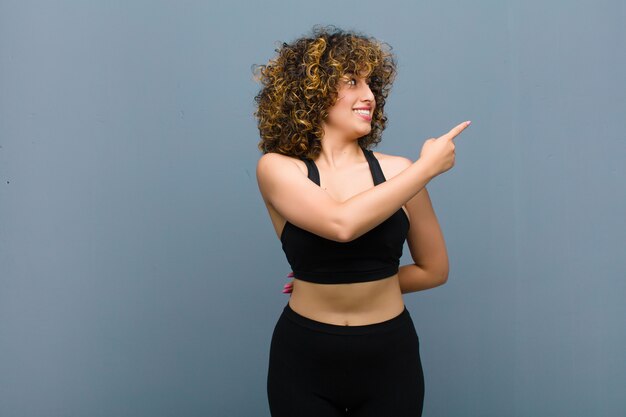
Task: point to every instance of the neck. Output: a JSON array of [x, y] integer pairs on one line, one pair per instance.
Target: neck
[[338, 152]]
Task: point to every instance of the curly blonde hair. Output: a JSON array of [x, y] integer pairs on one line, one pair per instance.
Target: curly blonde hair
[[300, 84]]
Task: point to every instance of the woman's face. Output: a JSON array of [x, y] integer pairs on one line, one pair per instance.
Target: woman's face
[[351, 115]]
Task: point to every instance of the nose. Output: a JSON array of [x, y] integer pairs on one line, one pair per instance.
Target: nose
[[367, 93]]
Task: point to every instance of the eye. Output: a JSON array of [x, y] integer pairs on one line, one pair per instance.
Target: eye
[[351, 81]]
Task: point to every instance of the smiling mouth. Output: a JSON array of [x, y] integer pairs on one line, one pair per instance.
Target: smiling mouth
[[363, 113]]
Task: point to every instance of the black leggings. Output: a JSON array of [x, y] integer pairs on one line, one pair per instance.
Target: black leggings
[[324, 370]]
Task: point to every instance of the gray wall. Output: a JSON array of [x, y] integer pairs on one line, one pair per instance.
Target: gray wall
[[139, 272]]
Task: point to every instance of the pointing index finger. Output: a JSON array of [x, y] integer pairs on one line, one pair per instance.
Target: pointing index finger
[[456, 130]]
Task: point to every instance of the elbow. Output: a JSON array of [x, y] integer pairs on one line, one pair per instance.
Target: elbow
[[442, 270], [443, 276], [343, 234], [437, 276], [342, 229]]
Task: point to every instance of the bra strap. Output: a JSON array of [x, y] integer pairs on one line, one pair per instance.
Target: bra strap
[[313, 173], [377, 172]]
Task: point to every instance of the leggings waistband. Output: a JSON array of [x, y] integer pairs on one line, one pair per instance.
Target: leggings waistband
[[399, 320]]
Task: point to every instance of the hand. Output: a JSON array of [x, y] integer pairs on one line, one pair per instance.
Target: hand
[[439, 153], [288, 288]]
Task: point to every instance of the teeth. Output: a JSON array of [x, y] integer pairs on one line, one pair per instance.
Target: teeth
[[365, 112]]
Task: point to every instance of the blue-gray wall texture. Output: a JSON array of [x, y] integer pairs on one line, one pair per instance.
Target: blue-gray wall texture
[[139, 272]]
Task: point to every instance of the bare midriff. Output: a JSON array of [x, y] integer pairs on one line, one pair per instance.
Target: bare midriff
[[353, 304]]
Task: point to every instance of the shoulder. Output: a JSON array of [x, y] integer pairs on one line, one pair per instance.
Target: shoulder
[[273, 162], [392, 165], [274, 169]]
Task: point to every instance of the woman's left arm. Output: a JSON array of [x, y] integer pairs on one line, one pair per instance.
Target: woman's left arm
[[425, 240], [427, 246]]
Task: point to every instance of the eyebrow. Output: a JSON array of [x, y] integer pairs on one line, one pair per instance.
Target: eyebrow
[[351, 74]]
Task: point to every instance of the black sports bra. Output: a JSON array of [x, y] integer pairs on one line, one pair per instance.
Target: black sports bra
[[372, 256]]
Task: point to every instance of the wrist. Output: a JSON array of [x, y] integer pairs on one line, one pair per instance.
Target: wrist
[[427, 168]]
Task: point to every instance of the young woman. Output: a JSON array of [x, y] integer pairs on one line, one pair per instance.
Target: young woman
[[345, 343]]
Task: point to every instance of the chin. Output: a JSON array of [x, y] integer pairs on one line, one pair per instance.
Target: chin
[[365, 133]]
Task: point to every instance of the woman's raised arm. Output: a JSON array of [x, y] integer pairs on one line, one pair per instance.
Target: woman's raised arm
[[304, 204]]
